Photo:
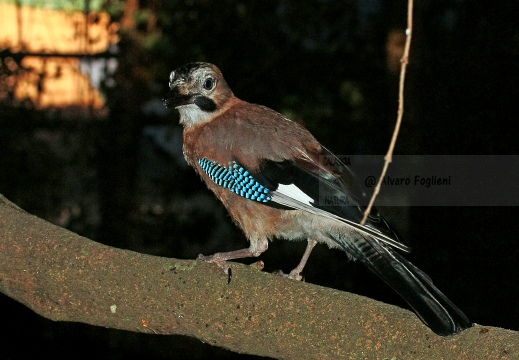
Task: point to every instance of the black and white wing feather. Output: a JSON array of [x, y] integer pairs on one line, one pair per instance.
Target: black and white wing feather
[[333, 193]]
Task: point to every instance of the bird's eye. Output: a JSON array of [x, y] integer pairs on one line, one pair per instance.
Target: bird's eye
[[209, 83]]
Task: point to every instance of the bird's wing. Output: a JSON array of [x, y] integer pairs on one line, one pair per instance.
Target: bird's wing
[[282, 158], [324, 186]]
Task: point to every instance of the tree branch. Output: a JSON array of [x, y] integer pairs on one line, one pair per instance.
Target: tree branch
[[65, 277]]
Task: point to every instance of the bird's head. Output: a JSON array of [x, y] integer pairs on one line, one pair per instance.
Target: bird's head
[[199, 91]]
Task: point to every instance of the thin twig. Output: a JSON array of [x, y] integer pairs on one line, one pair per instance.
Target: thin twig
[[389, 156]]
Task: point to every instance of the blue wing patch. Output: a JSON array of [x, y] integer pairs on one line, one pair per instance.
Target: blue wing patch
[[236, 179]]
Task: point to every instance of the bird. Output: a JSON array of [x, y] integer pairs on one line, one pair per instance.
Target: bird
[[276, 181]]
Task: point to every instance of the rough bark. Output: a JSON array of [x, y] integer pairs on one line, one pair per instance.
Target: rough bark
[[65, 277]]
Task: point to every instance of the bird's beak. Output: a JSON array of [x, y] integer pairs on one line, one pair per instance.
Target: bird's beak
[[175, 98]]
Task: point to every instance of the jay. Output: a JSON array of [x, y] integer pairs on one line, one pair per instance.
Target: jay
[[272, 175]]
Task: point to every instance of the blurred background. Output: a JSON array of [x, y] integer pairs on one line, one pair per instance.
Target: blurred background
[[86, 144]]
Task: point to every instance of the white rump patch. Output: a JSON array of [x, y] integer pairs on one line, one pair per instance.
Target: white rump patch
[[295, 193]]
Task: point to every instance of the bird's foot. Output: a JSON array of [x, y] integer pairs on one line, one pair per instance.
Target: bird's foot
[[258, 265], [294, 274], [221, 258], [218, 260]]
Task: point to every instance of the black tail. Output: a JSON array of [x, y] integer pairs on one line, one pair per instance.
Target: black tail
[[415, 287]]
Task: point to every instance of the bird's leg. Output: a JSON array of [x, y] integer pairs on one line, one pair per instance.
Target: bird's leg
[[256, 249], [295, 274]]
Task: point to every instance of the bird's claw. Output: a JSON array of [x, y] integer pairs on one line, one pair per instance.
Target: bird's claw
[[294, 275], [222, 264], [258, 265]]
